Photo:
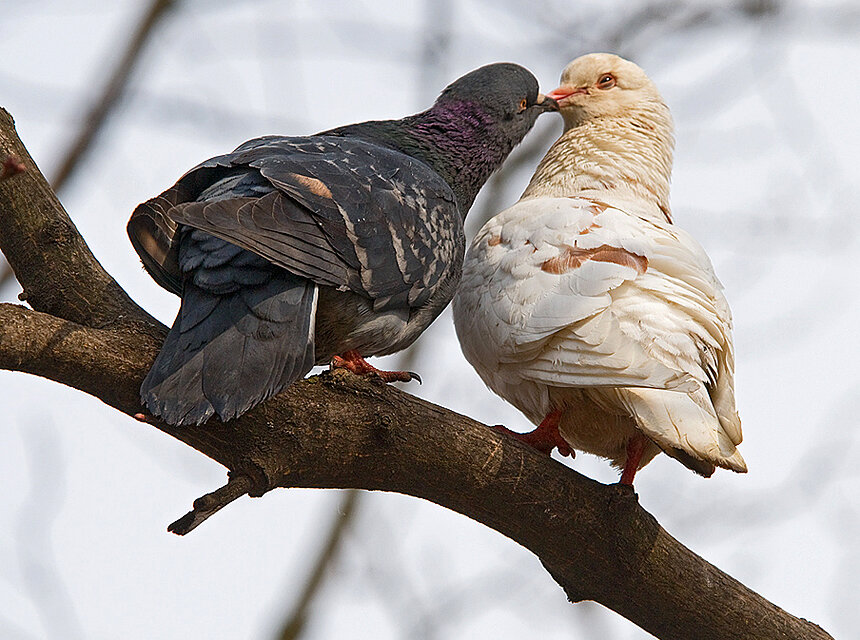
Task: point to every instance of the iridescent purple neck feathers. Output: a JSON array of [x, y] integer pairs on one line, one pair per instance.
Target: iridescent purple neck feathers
[[458, 139]]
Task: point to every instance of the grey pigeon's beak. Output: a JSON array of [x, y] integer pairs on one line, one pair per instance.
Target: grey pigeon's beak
[[547, 103]]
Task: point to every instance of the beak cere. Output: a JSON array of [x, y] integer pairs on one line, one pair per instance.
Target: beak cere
[[565, 92]]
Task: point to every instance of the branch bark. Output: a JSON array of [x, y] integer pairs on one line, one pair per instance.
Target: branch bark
[[340, 431]]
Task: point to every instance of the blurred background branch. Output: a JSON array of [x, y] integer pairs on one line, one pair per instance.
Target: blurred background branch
[[111, 93], [296, 618], [97, 116]]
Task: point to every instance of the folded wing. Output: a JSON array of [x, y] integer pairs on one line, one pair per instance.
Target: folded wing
[[573, 292]]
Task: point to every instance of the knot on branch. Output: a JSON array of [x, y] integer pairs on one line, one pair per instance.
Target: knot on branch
[[58, 232], [11, 166]]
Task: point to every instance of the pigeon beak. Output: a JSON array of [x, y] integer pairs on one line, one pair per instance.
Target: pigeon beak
[[565, 92], [547, 103]]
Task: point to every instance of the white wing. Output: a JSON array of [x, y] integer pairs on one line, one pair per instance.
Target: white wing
[[573, 292]]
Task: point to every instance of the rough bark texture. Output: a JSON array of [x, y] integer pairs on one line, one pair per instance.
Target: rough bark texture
[[337, 430]]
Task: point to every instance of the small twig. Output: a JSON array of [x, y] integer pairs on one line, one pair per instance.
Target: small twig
[[237, 486]]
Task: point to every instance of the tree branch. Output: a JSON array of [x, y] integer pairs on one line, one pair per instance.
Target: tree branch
[[338, 430]]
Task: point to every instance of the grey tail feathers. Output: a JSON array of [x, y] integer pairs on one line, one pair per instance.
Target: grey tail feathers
[[228, 352]]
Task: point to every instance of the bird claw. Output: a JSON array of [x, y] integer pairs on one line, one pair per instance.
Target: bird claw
[[544, 438], [354, 362], [394, 376]]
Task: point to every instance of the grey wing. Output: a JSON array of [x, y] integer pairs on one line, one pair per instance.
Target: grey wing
[[244, 331], [341, 212]]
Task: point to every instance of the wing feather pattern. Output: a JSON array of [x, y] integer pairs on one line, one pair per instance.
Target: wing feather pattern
[[342, 212], [573, 292]]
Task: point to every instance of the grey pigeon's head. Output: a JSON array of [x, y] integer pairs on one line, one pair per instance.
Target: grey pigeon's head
[[506, 92], [470, 129], [474, 124]]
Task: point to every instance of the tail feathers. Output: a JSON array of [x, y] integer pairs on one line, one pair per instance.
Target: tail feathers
[[685, 426], [226, 353]]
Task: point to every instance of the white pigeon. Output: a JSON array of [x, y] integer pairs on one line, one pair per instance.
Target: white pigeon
[[587, 309]]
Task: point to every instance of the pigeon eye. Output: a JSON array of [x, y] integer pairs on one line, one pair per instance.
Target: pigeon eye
[[523, 104], [607, 81]]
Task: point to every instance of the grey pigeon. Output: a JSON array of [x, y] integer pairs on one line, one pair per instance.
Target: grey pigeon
[[295, 251]]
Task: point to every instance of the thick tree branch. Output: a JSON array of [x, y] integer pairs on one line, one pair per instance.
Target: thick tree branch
[[337, 430]]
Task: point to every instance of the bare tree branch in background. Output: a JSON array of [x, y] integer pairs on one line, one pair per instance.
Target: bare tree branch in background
[[41, 575], [5, 273], [340, 431], [297, 618], [113, 91], [98, 114]]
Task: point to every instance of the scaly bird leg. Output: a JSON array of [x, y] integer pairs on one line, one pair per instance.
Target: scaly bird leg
[[353, 361], [635, 449], [545, 438]]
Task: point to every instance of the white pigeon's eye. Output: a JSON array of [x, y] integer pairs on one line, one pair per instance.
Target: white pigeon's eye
[[607, 81], [523, 104]]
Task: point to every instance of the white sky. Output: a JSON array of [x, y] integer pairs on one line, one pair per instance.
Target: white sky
[[767, 142]]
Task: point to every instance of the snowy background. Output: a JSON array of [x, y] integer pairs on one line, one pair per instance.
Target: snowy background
[[764, 95]]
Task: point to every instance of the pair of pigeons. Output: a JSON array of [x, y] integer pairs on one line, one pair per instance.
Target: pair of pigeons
[[582, 304]]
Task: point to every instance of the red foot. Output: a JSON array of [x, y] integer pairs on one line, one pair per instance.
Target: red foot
[[635, 449], [353, 361], [545, 438]]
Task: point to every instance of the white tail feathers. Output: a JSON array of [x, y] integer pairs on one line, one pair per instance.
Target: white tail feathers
[[686, 421]]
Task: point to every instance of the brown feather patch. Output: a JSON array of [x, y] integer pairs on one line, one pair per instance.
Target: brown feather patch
[[317, 187], [573, 258]]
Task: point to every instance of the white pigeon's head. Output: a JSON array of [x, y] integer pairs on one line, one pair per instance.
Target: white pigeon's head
[[603, 85], [617, 134]]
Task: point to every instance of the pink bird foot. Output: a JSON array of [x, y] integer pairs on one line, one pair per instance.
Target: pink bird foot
[[545, 438], [11, 166], [635, 449], [353, 361]]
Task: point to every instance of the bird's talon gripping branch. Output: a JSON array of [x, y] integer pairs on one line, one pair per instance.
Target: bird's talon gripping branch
[[635, 449], [353, 361], [544, 438]]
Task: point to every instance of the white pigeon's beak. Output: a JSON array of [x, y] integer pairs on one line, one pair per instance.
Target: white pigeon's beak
[[565, 91]]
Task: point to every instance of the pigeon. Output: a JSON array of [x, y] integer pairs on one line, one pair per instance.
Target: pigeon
[[585, 307], [295, 251]]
